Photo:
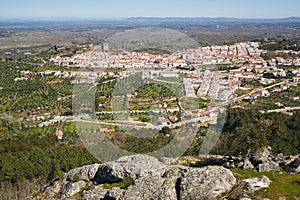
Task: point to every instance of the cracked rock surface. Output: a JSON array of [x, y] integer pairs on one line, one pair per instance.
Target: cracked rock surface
[[151, 180]]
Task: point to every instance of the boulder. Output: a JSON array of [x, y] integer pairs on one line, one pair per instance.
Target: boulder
[[133, 166], [85, 173], [268, 166], [254, 184], [247, 164], [248, 186], [293, 167], [285, 160], [262, 155], [263, 161], [206, 183]]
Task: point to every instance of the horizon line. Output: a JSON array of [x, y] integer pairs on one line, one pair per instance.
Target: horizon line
[[137, 17]]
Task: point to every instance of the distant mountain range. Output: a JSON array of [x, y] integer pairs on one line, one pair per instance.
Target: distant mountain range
[[297, 19], [169, 22], [220, 19]]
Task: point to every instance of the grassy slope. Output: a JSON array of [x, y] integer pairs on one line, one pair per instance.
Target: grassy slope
[[283, 184]]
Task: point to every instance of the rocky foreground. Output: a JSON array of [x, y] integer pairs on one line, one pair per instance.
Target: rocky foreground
[[148, 178]]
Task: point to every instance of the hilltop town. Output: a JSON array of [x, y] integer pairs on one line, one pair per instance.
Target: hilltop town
[[218, 74]]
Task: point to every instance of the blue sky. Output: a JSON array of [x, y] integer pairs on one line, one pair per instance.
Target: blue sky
[[149, 8]]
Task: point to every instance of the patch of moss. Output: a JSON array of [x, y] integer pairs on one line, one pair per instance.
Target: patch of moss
[[123, 184], [196, 162], [75, 178]]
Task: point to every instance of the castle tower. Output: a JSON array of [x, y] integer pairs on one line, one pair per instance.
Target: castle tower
[[105, 46]]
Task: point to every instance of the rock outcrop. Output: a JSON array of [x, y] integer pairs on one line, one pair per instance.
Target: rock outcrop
[[262, 161], [151, 180]]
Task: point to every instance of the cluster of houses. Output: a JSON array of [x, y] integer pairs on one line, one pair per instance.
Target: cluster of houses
[[227, 54], [213, 85], [55, 120], [296, 73]]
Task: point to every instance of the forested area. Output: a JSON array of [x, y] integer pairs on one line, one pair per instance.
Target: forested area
[[250, 130], [28, 163]]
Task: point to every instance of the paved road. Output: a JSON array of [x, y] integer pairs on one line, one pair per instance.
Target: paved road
[[281, 83], [131, 112], [283, 109], [168, 82], [33, 64], [252, 92], [142, 124]]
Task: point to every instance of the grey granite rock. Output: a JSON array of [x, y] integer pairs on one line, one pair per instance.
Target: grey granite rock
[[293, 167], [248, 186], [206, 183], [268, 166], [152, 180]]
